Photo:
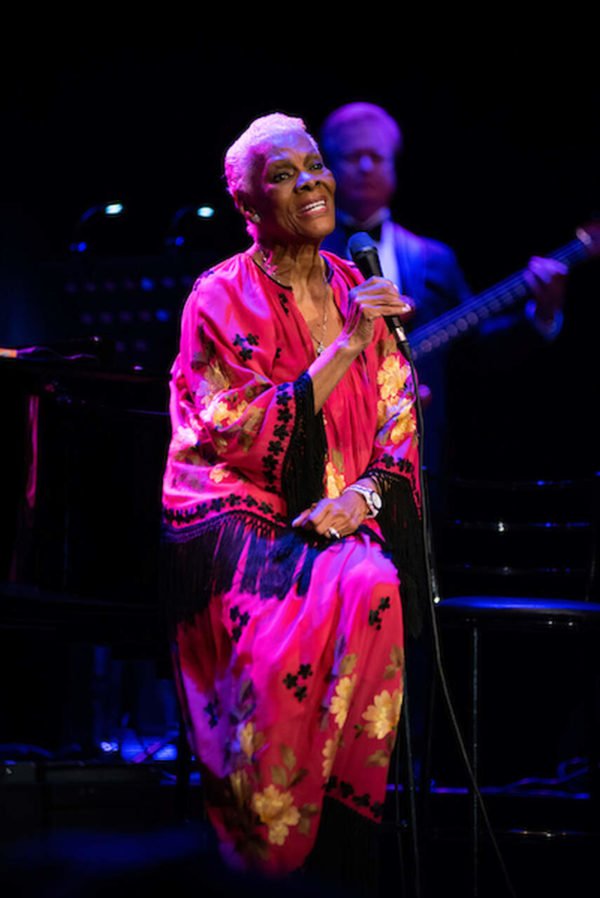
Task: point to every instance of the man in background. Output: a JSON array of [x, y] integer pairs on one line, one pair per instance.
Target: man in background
[[361, 143]]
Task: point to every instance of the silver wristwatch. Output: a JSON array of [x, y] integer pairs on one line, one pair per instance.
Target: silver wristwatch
[[371, 497]]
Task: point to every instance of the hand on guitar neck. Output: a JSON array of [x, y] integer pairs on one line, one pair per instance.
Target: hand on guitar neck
[[547, 280], [544, 277], [547, 277]]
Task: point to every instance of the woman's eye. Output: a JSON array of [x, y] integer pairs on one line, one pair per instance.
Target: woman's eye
[[318, 165], [281, 176]]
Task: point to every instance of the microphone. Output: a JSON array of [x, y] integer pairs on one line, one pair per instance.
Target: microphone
[[366, 258]]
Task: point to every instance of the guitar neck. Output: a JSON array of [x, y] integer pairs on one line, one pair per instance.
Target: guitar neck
[[469, 314]]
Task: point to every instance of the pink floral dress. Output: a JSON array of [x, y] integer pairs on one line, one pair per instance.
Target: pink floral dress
[[288, 648]]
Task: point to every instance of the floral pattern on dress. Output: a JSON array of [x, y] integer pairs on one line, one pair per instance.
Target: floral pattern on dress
[[391, 378], [184, 447], [250, 740], [329, 752], [218, 473], [340, 703], [277, 811], [273, 806], [383, 715], [395, 412], [223, 413], [396, 665], [277, 777], [216, 378], [273, 738], [335, 482]]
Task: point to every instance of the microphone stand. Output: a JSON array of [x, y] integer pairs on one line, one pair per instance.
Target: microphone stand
[[365, 255], [434, 597]]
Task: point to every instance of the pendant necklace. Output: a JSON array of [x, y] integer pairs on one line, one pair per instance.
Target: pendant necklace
[[320, 343], [269, 269]]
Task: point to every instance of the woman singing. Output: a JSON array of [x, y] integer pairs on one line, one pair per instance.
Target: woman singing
[[291, 520]]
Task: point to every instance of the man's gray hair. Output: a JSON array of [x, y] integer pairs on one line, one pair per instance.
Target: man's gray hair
[[367, 113]]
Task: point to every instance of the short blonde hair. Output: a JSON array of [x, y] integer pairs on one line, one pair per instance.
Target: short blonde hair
[[241, 156]]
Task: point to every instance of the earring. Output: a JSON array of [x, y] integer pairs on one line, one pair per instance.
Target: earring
[[255, 217]]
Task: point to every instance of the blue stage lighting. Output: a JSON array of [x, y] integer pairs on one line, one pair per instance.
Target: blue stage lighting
[[79, 246]]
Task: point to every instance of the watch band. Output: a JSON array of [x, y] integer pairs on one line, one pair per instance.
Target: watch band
[[371, 497]]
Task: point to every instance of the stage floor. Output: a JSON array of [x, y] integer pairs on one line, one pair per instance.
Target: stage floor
[[75, 829]]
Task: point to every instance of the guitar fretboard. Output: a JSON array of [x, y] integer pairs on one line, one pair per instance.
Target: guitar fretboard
[[469, 314]]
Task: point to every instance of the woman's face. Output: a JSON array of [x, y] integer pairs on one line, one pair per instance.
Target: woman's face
[[292, 192]]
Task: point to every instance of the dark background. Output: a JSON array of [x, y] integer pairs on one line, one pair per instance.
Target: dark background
[[501, 162], [501, 138], [501, 128]]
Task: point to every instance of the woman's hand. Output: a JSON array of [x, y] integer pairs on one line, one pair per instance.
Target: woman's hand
[[334, 518], [367, 302], [374, 298]]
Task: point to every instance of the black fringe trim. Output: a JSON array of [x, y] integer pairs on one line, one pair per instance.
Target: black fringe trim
[[303, 470], [202, 562], [404, 543]]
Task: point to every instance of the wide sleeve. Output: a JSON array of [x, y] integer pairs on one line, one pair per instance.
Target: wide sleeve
[[227, 405], [395, 467], [395, 453]]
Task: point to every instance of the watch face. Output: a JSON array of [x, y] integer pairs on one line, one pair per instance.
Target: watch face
[[376, 500]]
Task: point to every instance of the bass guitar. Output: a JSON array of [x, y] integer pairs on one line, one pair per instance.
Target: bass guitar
[[467, 315]]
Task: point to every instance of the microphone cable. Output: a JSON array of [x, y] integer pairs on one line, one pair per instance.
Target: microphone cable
[[365, 255], [434, 597]]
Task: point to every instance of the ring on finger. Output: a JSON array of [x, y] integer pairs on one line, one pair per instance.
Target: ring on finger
[[333, 533]]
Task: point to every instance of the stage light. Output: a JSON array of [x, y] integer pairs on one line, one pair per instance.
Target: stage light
[[92, 231], [78, 246], [193, 227], [109, 209]]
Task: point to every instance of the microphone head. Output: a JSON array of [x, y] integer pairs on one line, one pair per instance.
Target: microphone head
[[364, 254], [360, 243]]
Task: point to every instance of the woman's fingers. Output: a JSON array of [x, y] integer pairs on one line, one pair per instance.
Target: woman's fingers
[[377, 297], [302, 518], [381, 288], [333, 517], [317, 518]]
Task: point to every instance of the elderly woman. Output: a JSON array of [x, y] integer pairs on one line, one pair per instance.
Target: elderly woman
[[291, 517]]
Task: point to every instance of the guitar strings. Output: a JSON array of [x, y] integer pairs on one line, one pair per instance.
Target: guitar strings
[[506, 293]]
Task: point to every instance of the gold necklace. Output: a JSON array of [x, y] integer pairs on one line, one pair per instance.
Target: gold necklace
[[268, 268], [320, 344]]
